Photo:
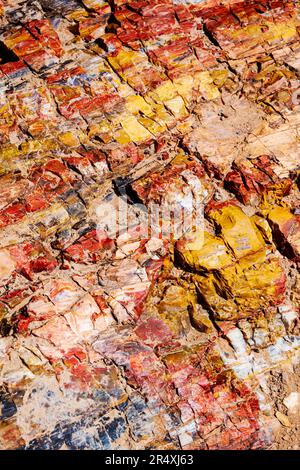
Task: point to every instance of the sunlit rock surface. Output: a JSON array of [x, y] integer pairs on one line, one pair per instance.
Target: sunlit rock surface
[[117, 332]]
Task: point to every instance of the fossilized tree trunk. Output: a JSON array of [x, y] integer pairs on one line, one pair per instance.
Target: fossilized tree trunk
[[116, 332]]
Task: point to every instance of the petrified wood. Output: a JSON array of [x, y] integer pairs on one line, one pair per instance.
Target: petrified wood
[[122, 337]]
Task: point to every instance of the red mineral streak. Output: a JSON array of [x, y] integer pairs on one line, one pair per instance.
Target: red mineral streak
[[89, 248]]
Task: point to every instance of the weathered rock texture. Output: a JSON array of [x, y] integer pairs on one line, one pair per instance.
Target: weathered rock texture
[[135, 340]]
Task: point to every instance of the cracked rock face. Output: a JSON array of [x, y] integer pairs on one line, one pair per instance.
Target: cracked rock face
[[117, 332]]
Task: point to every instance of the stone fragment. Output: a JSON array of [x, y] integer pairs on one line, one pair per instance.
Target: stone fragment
[[283, 419], [285, 226], [292, 402]]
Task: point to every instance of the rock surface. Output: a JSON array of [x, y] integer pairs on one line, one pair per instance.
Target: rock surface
[[149, 224]]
